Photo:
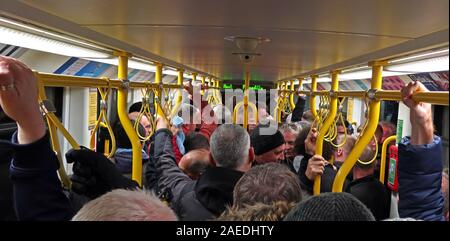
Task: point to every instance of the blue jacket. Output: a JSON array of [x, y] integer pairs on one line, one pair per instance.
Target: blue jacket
[[419, 176], [38, 194]]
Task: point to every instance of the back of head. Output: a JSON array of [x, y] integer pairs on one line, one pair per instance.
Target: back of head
[[229, 145], [135, 107], [299, 145], [195, 141], [290, 127], [364, 161], [330, 207], [258, 212], [308, 116], [122, 139], [125, 205], [195, 162], [266, 184], [265, 138], [349, 142]]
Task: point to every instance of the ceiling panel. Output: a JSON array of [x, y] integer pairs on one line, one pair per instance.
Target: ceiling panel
[[305, 35]]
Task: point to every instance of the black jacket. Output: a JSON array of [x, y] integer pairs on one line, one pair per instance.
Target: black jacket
[[373, 194], [203, 199], [297, 113]]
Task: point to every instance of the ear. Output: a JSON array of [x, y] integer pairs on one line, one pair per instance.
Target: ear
[[339, 151], [251, 155], [211, 160]]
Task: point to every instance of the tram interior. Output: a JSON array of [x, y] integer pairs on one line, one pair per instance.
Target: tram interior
[[274, 41]]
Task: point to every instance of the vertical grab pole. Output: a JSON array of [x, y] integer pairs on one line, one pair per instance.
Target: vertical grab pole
[[291, 96], [246, 93], [122, 94], [312, 97], [368, 132], [328, 121], [158, 81], [180, 94], [202, 91], [194, 77]]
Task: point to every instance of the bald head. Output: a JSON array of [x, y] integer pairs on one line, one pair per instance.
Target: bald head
[[195, 162]]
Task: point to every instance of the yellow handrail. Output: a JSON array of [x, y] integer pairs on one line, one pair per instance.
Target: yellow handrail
[[291, 96], [180, 95], [383, 156], [327, 124], [238, 106], [368, 131], [312, 100], [122, 93], [246, 93]]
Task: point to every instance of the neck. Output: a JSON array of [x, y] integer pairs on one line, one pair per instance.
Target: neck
[[360, 173]]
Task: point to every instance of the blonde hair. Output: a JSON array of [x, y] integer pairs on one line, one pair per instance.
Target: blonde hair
[[275, 211], [125, 205]]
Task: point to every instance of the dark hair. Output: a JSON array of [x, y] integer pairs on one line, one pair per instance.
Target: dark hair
[[266, 184], [122, 140], [331, 206], [327, 150], [195, 141], [299, 145], [135, 107], [196, 167]]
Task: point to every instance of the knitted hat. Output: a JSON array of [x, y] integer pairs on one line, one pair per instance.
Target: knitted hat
[[122, 140], [265, 138], [330, 207]]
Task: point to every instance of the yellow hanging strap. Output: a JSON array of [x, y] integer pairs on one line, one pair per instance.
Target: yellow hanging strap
[[145, 111], [53, 123], [167, 105], [102, 120], [341, 120], [374, 139]]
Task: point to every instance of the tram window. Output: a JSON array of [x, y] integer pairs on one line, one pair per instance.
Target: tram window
[[389, 111], [55, 95], [8, 125]]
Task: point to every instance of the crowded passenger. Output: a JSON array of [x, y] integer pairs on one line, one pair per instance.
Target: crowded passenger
[[290, 132], [367, 188], [268, 144], [420, 162], [125, 205]]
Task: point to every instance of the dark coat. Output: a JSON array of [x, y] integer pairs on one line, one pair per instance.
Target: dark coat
[[203, 199], [38, 194], [373, 194], [419, 176]]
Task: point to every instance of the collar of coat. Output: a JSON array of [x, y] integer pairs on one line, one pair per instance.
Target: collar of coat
[[214, 189]]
